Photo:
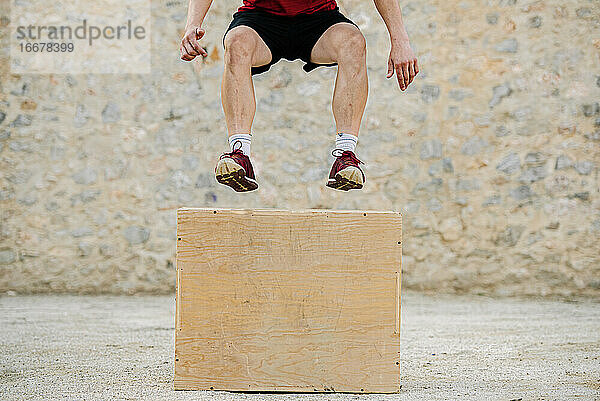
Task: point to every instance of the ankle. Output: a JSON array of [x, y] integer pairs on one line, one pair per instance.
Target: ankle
[[345, 141], [242, 142]]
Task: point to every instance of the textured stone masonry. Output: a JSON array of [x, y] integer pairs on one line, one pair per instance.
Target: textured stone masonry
[[492, 154]]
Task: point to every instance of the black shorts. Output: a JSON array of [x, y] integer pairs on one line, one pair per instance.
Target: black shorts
[[288, 37]]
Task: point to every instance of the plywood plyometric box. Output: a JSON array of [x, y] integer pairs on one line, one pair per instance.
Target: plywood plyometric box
[[275, 300]]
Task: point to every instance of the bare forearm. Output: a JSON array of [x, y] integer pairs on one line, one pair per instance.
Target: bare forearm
[[392, 16], [197, 10]]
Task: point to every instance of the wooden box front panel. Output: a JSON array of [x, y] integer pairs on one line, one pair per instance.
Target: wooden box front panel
[[273, 300]]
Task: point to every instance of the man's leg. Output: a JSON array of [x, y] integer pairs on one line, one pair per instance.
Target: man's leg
[[243, 49], [343, 43]]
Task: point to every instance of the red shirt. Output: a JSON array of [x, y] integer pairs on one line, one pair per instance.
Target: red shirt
[[289, 7]]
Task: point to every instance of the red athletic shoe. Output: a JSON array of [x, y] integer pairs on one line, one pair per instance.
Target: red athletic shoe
[[235, 170], [345, 173]]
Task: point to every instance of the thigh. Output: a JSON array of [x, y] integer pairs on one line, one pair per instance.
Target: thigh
[[261, 54], [326, 49]]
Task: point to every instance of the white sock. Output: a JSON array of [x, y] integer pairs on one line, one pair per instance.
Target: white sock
[[241, 141], [345, 141]]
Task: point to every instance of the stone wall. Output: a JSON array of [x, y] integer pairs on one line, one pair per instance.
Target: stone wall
[[492, 153]]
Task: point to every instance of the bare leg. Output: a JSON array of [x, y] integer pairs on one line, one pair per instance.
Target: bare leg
[[343, 43], [243, 49]]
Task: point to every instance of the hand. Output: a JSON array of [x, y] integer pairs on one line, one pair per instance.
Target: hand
[[190, 48], [404, 62]]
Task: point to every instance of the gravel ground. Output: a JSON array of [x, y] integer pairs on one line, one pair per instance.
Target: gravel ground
[[107, 348]]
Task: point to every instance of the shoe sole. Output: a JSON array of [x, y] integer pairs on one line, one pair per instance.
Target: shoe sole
[[233, 175], [346, 179]]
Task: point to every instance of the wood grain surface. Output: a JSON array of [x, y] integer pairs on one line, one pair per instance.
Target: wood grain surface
[[275, 300]]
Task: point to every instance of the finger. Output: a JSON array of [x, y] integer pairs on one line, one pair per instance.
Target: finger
[[200, 33], [182, 51], [203, 51], [186, 55], [400, 76], [416, 67], [406, 74], [197, 48], [190, 51], [390, 70], [411, 70]]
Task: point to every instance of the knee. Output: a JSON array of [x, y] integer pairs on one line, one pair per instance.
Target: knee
[[239, 46], [353, 49]]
